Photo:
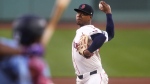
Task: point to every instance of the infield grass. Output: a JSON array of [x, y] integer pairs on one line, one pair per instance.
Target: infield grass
[[127, 55]]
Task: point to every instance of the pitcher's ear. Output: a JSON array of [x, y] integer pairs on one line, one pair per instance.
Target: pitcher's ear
[[91, 16]]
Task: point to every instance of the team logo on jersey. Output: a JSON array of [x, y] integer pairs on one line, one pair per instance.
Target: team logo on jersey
[[75, 45], [83, 6]]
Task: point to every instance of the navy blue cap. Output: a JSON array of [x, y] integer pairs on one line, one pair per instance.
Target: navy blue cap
[[85, 8]]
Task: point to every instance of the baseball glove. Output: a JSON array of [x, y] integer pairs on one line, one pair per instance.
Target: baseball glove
[[83, 44]]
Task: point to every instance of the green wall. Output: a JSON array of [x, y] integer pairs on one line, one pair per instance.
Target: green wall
[[123, 11]]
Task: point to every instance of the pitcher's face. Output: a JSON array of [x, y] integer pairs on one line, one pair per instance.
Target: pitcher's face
[[83, 18]]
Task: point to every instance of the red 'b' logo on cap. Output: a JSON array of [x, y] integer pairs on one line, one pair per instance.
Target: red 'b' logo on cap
[[83, 6]]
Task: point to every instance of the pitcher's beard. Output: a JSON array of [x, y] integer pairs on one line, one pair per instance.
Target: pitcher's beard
[[80, 24]]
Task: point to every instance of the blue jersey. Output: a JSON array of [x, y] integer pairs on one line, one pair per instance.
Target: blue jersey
[[14, 69]]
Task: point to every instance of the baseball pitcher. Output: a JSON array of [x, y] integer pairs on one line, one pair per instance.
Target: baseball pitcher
[[86, 44]]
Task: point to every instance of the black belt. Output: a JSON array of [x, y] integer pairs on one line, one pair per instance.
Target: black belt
[[91, 73]]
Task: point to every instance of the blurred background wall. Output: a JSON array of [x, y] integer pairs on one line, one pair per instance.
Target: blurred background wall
[[123, 10]]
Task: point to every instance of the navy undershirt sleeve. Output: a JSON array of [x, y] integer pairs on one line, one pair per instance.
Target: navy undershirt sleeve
[[98, 40], [110, 26]]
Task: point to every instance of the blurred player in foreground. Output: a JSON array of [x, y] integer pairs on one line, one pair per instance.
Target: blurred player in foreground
[[7, 49], [86, 61], [28, 67]]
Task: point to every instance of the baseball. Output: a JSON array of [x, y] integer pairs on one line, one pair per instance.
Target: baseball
[[100, 6]]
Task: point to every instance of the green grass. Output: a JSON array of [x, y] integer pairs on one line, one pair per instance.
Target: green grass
[[127, 55]]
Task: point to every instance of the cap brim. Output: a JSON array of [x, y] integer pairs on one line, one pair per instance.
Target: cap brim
[[79, 10]]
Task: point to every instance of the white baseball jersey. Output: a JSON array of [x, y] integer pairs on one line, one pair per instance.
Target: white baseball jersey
[[81, 64]]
